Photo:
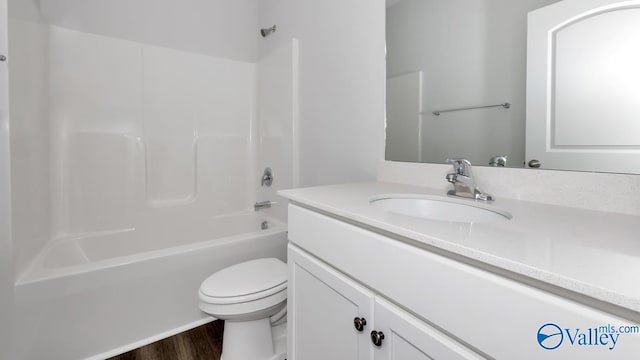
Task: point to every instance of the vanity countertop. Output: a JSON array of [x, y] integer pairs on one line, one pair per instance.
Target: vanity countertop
[[592, 253]]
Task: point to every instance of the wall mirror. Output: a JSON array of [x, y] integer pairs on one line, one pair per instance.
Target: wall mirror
[[530, 83]]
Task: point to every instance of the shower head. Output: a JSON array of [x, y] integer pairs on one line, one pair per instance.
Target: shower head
[[267, 31]]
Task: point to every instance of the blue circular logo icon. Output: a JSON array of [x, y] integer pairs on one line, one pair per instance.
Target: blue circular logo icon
[[550, 336]]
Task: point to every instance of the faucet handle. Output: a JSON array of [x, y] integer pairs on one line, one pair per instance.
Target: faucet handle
[[267, 177], [461, 166], [452, 178]]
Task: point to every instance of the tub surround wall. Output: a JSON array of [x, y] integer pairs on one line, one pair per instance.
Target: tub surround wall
[[616, 193], [342, 86], [278, 125], [220, 28], [149, 132], [29, 107], [161, 101]]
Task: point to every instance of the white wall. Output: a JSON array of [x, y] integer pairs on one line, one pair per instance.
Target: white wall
[[471, 53], [28, 87], [341, 86], [223, 28], [6, 258]]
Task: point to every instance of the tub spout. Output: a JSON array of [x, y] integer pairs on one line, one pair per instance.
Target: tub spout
[[262, 205]]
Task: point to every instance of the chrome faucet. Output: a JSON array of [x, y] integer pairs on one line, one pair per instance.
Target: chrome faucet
[[464, 184]]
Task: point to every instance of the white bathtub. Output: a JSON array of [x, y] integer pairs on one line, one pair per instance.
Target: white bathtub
[[99, 295]]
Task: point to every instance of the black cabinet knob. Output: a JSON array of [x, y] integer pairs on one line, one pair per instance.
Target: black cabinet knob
[[535, 164], [359, 323], [377, 337]]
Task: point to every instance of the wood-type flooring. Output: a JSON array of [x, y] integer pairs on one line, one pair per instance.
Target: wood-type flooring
[[201, 343]]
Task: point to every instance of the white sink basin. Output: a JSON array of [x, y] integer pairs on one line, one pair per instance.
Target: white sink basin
[[439, 208]]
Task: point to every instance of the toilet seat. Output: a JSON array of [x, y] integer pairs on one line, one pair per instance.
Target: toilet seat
[[244, 298], [249, 281]]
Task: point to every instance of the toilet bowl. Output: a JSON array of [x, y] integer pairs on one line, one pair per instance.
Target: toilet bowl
[[251, 297]]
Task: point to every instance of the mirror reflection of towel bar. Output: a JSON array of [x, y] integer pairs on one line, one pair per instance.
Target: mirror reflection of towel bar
[[504, 105]]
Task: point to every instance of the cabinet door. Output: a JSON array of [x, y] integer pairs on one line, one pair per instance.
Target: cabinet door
[[408, 338], [322, 306]]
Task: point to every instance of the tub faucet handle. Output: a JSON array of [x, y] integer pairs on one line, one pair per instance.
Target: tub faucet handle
[[267, 177]]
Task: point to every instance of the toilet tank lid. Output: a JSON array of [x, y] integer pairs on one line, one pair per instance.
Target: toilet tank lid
[[246, 278]]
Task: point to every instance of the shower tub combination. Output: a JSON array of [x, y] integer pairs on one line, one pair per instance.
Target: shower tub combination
[[144, 136], [95, 296]]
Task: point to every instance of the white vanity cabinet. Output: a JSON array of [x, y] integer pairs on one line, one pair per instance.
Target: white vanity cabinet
[[333, 317], [425, 303], [322, 306]]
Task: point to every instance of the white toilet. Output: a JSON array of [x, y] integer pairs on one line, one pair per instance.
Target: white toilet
[[251, 297]]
